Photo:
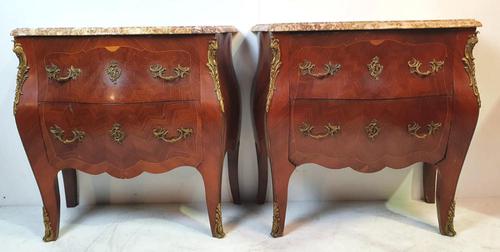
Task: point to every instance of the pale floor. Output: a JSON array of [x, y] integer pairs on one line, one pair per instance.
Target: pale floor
[[311, 227]]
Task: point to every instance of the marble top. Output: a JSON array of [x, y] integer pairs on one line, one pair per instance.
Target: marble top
[[95, 31], [367, 25]]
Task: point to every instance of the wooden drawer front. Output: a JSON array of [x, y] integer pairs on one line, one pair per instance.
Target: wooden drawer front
[[342, 71], [369, 135], [119, 74], [120, 136]]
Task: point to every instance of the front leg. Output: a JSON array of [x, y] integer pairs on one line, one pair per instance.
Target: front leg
[[466, 103], [211, 171], [46, 178], [281, 170], [447, 179]]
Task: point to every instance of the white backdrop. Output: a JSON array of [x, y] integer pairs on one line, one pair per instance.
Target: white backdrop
[[480, 175]]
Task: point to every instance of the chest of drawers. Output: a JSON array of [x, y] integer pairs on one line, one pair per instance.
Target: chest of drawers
[[366, 95], [126, 101]]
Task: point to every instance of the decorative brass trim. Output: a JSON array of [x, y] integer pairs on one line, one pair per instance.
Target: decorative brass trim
[[275, 69], [275, 230], [158, 71], [219, 230], [53, 72], [113, 71], [372, 129], [117, 135], [307, 129], [415, 65], [22, 73], [58, 134], [375, 68], [414, 127], [307, 68], [49, 234], [470, 66], [450, 228], [214, 72], [182, 133]]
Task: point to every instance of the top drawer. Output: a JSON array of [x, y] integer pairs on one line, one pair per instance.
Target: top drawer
[[371, 69], [137, 70]]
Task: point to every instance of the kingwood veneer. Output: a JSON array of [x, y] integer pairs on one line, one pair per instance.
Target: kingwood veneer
[[366, 95], [126, 101]]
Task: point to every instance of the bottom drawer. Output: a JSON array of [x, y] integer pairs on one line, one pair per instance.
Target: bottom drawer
[[97, 137], [369, 135]]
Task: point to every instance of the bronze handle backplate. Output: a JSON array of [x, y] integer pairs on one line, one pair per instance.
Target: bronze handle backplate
[[113, 71], [53, 72], [372, 130], [116, 133], [182, 133], [58, 134], [375, 68]]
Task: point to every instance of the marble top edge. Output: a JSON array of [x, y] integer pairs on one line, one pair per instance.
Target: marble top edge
[[367, 25], [96, 31]]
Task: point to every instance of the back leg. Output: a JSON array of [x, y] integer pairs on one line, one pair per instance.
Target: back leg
[[232, 160], [263, 168], [70, 187], [429, 182]]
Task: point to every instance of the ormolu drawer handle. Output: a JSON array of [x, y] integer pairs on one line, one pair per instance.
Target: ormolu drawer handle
[[58, 134], [415, 65], [158, 71], [182, 133], [53, 72], [331, 130], [414, 127], [307, 68]]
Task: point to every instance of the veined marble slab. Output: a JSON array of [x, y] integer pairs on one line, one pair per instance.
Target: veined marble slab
[[96, 31], [367, 25]]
